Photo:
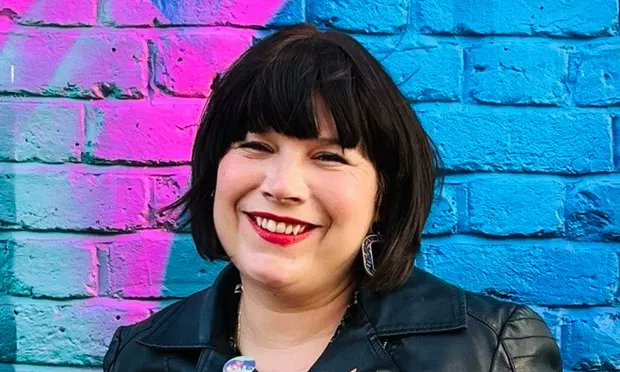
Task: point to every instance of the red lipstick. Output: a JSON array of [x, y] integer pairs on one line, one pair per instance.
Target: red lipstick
[[278, 238]]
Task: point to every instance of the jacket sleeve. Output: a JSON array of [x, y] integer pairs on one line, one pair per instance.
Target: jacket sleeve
[[526, 345], [110, 356]]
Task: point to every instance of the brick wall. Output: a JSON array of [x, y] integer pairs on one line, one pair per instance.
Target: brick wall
[[98, 107]]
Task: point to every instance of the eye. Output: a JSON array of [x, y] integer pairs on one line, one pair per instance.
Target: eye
[[254, 145], [330, 157]]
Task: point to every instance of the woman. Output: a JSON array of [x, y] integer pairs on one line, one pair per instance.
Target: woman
[[312, 175]]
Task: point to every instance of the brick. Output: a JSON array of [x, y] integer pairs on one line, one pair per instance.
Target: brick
[[593, 210], [156, 265], [52, 268], [45, 198], [50, 133], [597, 77], [40, 368], [8, 341], [443, 218], [81, 64], [371, 16], [53, 12], [187, 61], [426, 74], [580, 18], [519, 139], [201, 12], [591, 339], [546, 272], [141, 132], [166, 190], [524, 73], [73, 333], [516, 205]]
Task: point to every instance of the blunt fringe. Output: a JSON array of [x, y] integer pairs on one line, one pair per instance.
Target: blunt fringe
[[273, 86]]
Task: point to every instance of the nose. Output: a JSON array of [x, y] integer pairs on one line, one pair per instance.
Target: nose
[[285, 181]]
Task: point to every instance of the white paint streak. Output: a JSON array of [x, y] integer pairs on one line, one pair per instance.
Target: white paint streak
[[12, 73]]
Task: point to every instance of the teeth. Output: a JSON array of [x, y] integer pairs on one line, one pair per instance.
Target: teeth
[[271, 226], [279, 227]]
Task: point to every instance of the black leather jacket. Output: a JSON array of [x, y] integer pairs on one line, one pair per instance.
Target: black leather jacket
[[425, 325]]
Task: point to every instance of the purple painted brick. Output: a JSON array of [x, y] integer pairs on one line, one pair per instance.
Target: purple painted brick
[[524, 73], [546, 272], [81, 64], [52, 12], [187, 61], [141, 132], [593, 210], [516, 205], [41, 132], [519, 139], [75, 198], [519, 17], [156, 264], [166, 190], [201, 12], [597, 77], [42, 266], [591, 339]]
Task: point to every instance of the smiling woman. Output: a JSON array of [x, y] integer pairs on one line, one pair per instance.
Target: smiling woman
[[313, 177]]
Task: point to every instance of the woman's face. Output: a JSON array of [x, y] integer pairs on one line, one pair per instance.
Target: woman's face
[[313, 200]]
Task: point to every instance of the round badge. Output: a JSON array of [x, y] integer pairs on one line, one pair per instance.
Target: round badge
[[240, 364]]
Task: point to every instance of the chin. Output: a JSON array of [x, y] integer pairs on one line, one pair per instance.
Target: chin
[[269, 271]]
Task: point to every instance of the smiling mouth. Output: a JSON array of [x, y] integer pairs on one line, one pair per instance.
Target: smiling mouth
[[279, 227]]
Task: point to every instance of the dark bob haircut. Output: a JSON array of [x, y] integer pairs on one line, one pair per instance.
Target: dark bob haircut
[[273, 86]]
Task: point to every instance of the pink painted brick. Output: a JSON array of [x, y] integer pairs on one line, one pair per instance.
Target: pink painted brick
[[166, 190], [187, 61], [76, 63], [53, 12], [141, 132], [192, 12], [69, 333], [41, 132], [154, 264], [75, 198], [42, 266]]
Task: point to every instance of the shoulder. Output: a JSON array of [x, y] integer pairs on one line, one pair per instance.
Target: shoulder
[[124, 340], [469, 330], [524, 342]]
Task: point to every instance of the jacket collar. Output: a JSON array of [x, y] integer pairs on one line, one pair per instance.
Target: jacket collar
[[432, 304]]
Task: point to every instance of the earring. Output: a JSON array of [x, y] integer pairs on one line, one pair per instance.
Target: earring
[[367, 258]]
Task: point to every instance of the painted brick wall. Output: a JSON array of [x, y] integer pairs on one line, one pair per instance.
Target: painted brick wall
[[98, 107]]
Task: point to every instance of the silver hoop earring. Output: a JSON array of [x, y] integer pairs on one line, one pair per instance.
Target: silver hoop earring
[[367, 258]]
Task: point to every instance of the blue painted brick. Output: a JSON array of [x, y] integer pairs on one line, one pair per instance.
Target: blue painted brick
[[426, 74], [591, 339], [43, 266], [519, 17], [516, 205], [519, 139], [593, 209], [443, 218], [67, 333], [385, 16], [291, 12], [51, 133], [523, 73], [546, 272], [597, 77]]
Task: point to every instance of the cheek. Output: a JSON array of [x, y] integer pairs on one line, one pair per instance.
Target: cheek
[[350, 199], [235, 179]]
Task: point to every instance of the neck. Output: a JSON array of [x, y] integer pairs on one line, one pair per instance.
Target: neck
[[272, 321]]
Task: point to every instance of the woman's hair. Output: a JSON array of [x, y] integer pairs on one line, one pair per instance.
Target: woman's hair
[[273, 86]]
